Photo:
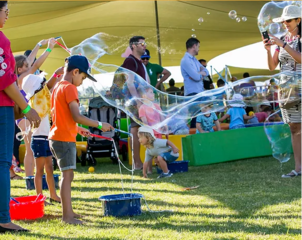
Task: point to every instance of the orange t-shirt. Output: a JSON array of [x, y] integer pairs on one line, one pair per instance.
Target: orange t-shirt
[[64, 128]]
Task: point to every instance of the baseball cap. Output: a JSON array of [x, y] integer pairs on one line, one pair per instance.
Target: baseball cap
[[80, 62], [146, 54], [144, 129]]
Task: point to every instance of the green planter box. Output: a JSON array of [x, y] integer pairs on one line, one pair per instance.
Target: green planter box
[[229, 145]]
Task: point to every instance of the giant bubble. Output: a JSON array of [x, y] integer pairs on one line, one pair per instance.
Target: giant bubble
[[166, 113], [270, 11]]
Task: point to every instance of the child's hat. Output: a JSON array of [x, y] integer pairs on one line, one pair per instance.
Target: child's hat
[[237, 101], [145, 129], [31, 84], [80, 62]]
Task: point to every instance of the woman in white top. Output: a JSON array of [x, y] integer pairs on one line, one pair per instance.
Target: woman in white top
[[288, 53]]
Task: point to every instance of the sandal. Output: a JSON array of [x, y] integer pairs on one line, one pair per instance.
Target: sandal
[[292, 174], [16, 177]]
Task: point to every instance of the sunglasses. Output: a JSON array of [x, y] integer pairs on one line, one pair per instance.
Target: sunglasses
[[145, 58], [6, 12], [289, 20], [141, 43]]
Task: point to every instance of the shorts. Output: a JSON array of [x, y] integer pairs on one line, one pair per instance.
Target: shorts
[[40, 146], [65, 153], [169, 157]]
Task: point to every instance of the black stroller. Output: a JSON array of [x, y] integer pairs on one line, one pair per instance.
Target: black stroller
[[96, 147]]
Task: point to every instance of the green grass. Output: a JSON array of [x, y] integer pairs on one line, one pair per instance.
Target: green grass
[[245, 199]]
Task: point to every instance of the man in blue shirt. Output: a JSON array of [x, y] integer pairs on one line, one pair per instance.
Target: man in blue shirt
[[192, 71]]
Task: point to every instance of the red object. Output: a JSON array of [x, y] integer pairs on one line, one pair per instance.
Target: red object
[[98, 136], [30, 207], [123, 142], [67, 50]]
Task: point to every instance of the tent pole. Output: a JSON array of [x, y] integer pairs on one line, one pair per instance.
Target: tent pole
[[157, 31]]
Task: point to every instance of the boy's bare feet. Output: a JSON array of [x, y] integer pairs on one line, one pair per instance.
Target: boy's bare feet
[[72, 221]]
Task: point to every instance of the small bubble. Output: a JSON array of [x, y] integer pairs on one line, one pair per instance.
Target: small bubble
[[193, 29], [208, 13], [244, 19], [200, 19], [193, 36], [233, 14], [238, 19]]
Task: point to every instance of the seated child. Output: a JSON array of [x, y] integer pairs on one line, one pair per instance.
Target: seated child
[[261, 116], [205, 122], [118, 85], [236, 113], [163, 150]]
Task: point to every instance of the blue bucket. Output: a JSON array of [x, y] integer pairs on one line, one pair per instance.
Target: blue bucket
[[176, 167], [30, 183], [119, 205]]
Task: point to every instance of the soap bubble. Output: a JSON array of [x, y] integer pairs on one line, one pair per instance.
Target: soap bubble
[[270, 11], [208, 13], [244, 19], [238, 19], [168, 113], [279, 137], [233, 14], [193, 36], [274, 28], [193, 29], [200, 20]]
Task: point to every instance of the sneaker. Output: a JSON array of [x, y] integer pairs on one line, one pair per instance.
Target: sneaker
[[164, 175]]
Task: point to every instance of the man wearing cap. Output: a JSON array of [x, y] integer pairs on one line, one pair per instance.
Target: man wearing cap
[[154, 71], [65, 116]]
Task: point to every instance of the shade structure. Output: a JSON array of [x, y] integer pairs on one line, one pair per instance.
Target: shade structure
[[31, 21]]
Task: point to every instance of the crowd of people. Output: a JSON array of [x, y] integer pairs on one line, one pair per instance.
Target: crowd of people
[[24, 93]]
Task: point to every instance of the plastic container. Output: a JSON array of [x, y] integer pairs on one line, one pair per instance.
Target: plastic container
[[119, 205], [30, 184], [28, 208], [176, 167]]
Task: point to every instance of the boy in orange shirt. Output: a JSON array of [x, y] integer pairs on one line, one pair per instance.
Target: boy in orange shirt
[[62, 136]]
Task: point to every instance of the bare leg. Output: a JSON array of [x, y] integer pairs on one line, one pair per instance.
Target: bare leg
[[295, 129], [50, 180], [136, 149], [150, 167], [29, 156], [65, 191], [162, 164], [39, 174]]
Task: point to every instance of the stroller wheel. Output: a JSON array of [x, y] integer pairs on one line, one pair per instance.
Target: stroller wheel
[[83, 159], [114, 159]]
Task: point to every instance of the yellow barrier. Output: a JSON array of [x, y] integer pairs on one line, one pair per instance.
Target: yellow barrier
[[176, 139], [81, 147]]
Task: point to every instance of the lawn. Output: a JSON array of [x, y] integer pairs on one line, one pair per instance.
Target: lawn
[[244, 199]]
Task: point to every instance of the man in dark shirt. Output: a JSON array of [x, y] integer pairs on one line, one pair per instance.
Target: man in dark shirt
[[207, 81], [133, 63], [172, 89]]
